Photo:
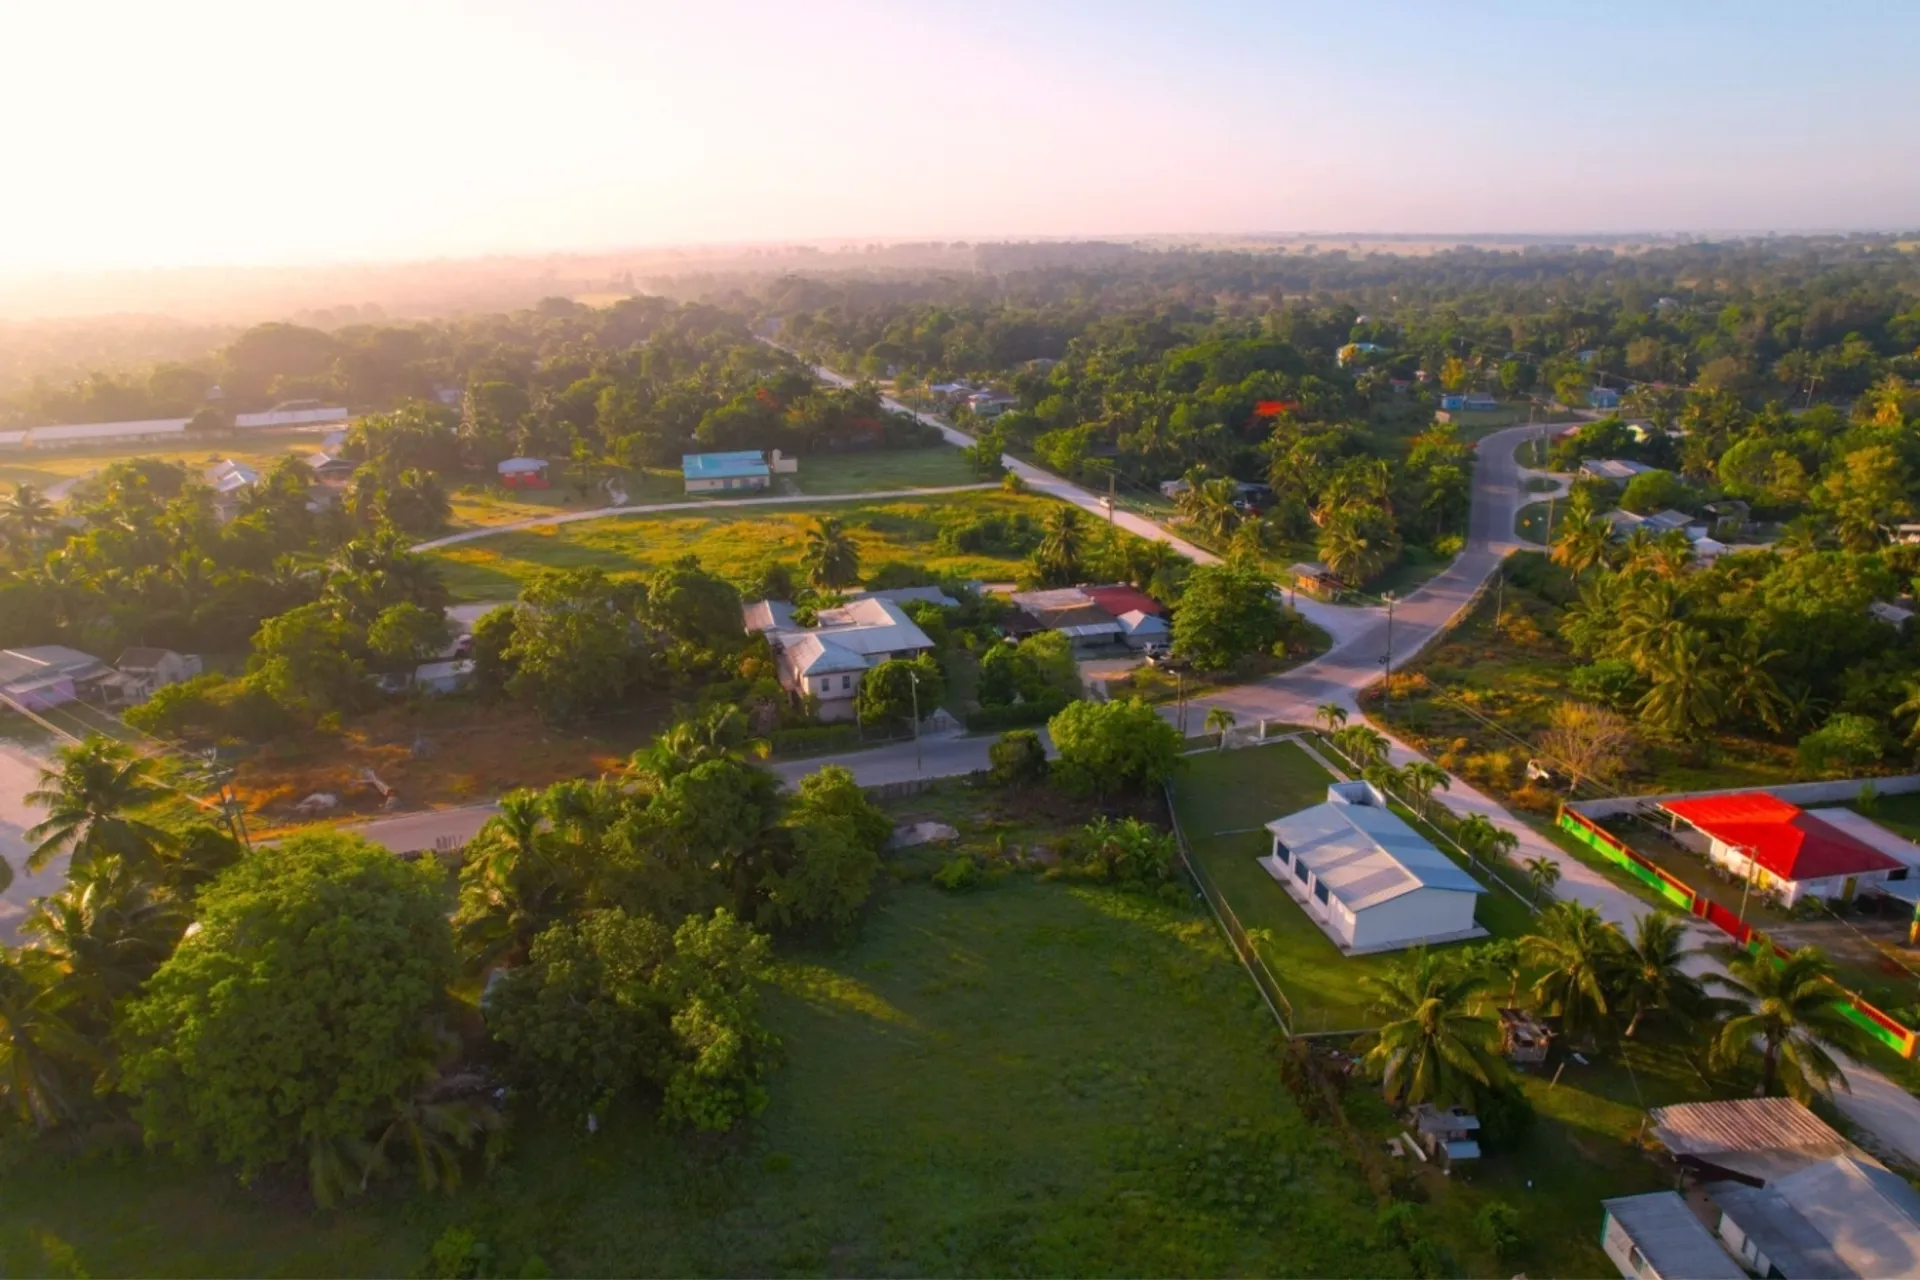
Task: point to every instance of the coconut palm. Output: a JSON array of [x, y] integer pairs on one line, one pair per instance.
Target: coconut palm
[[1651, 618], [39, 1048], [434, 1133], [1208, 506], [1576, 949], [108, 930], [25, 515], [1331, 715], [1689, 687], [1063, 542], [88, 797], [1792, 1018], [1650, 979], [1423, 778], [831, 559], [1357, 543], [1220, 720], [723, 733], [1482, 839], [1543, 873], [1910, 706], [1751, 690], [1383, 776], [512, 886], [1581, 544], [1432, 1046]]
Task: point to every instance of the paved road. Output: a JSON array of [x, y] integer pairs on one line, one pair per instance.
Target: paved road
[[19, 774], [698, 504]]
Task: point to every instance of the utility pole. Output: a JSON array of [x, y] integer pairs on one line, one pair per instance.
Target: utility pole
[[1386, 661], [1747, 887], [913, 678], [1110, 497], [1499, 597], [1180, 699]]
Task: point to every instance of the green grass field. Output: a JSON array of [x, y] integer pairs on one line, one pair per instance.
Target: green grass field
[[43, 468], [1033, 1078], [734, 542], [880, 469]]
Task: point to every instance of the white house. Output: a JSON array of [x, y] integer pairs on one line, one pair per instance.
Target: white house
[[48, 675], [1144, 630], [145, 671], [1370, 881], [828, 660], [450, 676]]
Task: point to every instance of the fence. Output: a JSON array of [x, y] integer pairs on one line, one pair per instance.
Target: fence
[[1250, 958], [1800, 793], [1887, 1030]]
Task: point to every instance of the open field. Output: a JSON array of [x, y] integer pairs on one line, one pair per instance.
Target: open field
[[735, 542], [43, 468], [480, 505], [1032, 1078]]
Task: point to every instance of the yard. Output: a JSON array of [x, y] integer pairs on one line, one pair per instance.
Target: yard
[[1032, 1078], [1224, 800], [736, 542]]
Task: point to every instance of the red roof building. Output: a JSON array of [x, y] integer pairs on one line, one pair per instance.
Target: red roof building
[[1785, 843], [1123, 599]]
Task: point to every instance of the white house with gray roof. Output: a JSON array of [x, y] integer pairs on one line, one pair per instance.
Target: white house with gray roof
[[828, 660], [1370, 881]]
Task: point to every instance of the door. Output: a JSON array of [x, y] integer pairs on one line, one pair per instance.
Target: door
[[1846, 892]]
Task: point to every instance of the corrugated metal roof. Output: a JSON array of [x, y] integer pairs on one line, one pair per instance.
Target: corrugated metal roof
[[716, 466], [1761, 1138], [1784, 838], [1673, 1241], [1366, 855]]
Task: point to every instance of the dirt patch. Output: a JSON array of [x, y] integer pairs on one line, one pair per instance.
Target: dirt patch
[[433, 754]]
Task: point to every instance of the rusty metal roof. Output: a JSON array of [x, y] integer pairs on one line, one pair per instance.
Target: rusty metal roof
[[1761, 1138]]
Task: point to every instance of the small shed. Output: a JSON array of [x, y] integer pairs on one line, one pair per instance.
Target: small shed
[[1314, 578], [523, 473], [718, 472], [1450, 1135], [1144, 630], [1657, 1237]]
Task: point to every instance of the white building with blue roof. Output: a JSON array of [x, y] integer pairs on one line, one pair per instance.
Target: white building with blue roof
[[1370, 881]]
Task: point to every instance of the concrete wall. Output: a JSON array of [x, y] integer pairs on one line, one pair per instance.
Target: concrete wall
[[1803, 794], [1424, 913]]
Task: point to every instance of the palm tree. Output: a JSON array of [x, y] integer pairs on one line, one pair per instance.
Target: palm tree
[[723, 733], [1064, 541], [1383, 776], [1792, 1016], [1331, 716], [1356, 544], [1580, 545], [1482, 839], [832, 561], [1651, 619], [1543, 873], [107, 930], [1576, 948], [1360, 743], [25, 515], [1432, 1046], [38, 1046], [1751, 690], [1910, 706], [1208, 506], [1650, 978], [87, 799], [1689, 687], [434, 1134], [511, 886], [1220, 720], [1423, 778]]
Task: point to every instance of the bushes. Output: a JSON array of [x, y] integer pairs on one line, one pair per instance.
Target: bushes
[[959, 874], [1018, 715], [1108, 746], [813, 739], [1128, 852], [209, 708], [1018, 759]]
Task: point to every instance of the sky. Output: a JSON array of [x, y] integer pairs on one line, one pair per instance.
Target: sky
[[204, 132]]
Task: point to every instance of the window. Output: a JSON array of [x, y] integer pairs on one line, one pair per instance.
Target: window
[[1635, 1258], [846, 682], [1280, 852], [1320, 892], [1300, 870]]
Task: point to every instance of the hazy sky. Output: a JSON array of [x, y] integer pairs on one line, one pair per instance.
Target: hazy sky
[[200, 132]]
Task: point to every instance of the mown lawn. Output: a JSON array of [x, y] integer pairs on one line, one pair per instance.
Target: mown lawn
[[735, 542], [258, 449], [1032, 1078], [1224, 800], [936, 467]]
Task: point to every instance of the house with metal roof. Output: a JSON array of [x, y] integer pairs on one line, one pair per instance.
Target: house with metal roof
[[828, 660], [743, 469], [1618, 470], [1370, 881], [49, 675], [1073, 612], [1657, 1236], [1781, 847], [1839, 1217]]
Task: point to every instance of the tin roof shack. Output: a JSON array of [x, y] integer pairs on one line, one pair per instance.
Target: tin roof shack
[[1523, 1037], [1657, 1237], [1751, 1140], [1449, 1136], [1840, 1217]]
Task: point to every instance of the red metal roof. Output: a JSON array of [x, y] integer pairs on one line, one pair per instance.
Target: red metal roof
[[1784, 838], [1119, 600]]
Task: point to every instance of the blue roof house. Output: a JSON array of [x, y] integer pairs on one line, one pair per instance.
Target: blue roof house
[[1603, 398], [714, 472]]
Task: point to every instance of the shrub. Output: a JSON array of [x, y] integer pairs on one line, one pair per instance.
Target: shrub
[[1844, 743], [958, 875], [1611, 681], [1018, 715], [1113, 745], [1498, 1226], [1018, 759], [813, 738], [1128, 852]]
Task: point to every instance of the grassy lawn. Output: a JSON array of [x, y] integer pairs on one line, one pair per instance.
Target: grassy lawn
[[258, 449], [1033, 1078], [735, 542], [932, 468], [1896, 813], [1531, 524], [1224, 800]]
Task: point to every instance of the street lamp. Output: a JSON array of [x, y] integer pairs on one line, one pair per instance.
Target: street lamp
[[1386, 660]]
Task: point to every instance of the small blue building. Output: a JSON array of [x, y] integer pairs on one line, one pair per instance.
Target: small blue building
[[1453, 402], [711, 472], [1603, 398]]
